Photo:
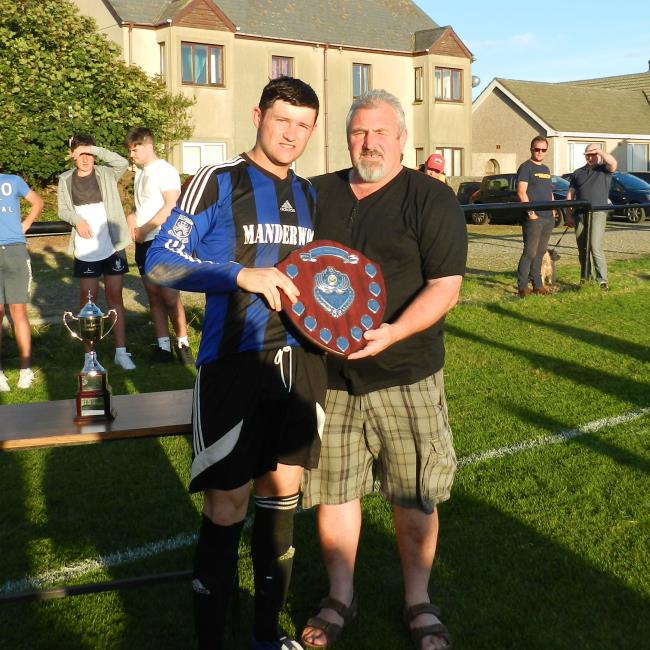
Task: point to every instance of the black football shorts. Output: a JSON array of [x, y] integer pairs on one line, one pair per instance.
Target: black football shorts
[[253, 410]]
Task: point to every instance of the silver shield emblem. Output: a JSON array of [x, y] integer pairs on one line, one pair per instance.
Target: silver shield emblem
[[333, 292]]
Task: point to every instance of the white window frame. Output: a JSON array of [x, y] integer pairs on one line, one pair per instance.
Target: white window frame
[[576, 153], [418, 82], [453, 160], [279, 58], [446, 87], [206, 151], [639, 161], [365, 70]]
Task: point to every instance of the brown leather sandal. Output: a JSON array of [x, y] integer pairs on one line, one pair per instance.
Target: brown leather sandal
[[438, 630], [331, 631]]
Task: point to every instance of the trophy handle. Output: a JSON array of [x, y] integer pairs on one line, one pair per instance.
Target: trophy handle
[[114, 312], [65, 322]]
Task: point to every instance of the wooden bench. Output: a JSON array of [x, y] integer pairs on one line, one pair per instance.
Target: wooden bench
[[50, 424]]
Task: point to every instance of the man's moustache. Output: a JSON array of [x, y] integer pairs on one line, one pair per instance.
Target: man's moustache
[[371, 152]]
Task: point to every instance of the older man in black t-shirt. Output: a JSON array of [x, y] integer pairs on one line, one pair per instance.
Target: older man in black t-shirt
[[534, 184], [591, 183], [386, 404]]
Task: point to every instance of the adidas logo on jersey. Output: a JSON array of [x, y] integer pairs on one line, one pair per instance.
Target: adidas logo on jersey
[[286, 207]]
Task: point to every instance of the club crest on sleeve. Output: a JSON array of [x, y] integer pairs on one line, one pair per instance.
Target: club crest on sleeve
[[182, 228]]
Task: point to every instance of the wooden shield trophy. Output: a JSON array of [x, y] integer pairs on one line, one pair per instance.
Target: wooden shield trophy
[[342, 294]]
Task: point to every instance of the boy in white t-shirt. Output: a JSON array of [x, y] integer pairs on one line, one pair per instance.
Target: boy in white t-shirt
[[157, 187], [88, 198]]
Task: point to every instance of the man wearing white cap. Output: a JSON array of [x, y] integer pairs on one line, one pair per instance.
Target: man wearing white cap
[[591, 183]]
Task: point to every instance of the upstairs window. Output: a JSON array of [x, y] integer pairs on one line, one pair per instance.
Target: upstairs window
[[281, 66], [360, 79], [449, 84], [418, 94], [202, 65], [163, 65]]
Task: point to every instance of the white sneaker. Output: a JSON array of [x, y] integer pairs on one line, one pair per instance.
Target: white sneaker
[[4, 384], [123, 359], [26, 378]]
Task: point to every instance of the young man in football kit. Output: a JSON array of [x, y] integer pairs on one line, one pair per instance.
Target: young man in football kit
[[260, 390]]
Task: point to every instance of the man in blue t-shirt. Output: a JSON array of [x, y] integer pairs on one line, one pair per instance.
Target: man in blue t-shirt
[[534, 184], [16, 270], [591, 183]]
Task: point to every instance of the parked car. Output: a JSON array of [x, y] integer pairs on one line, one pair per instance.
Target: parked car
[[628, 189], [465, 191], [502, 188], [644, 176]]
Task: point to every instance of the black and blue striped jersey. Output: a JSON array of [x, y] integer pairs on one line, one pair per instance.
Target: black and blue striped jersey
[[230, 216]]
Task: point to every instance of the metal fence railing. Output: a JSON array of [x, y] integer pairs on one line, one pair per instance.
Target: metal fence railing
[[583, 208], [44, 228]]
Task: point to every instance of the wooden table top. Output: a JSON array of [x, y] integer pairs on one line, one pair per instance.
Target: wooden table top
[[50, 424]]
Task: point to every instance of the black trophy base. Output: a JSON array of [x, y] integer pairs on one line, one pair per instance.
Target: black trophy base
[[94, 399]]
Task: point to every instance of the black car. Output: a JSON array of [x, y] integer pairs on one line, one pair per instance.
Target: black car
[[629, 189], [502, 188], [465, 191]]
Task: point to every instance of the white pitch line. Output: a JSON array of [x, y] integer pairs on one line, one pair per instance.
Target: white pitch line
[[120, 558], [77, 569], [561, 436]]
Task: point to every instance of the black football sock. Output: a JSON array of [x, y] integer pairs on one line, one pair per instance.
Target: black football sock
[[214, 581], [272, 552]]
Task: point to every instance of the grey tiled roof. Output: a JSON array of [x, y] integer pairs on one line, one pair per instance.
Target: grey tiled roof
[[426, 38], [376, 24], [147, 12], [639, 81], [585, 108]]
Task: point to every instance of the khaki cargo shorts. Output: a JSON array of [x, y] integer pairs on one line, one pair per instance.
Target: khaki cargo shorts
[[398, 436]]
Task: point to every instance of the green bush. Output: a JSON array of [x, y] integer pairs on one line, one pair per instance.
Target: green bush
[[59, 76]]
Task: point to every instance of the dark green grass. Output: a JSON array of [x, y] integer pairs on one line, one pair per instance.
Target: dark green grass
[[548, 548]]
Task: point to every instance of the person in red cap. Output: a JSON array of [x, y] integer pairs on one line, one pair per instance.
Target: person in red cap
[[435, 167]]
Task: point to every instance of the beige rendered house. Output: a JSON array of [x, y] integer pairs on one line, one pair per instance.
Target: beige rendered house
[[611, 111], [222, 52]]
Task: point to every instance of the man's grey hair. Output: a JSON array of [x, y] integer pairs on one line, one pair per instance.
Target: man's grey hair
[[371, 99]]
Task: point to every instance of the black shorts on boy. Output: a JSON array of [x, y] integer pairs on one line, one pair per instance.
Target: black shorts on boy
[[116, 264]]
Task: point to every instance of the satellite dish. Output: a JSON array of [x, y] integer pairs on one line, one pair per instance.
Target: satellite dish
[[475, 81]]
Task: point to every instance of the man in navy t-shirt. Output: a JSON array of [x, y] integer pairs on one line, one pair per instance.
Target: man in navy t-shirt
[[534, 184]]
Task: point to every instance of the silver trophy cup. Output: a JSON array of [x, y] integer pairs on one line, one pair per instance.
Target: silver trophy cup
[[94, 393]]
